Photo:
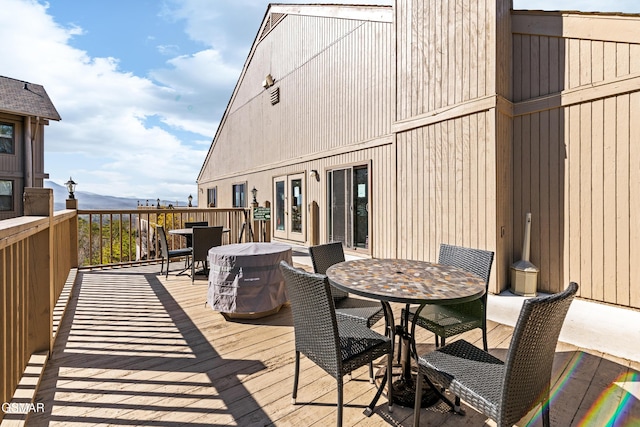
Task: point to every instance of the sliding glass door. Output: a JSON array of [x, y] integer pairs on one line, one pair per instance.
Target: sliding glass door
[[348, 201]]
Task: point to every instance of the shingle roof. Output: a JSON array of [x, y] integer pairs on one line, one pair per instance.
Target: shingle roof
[[24, 98]]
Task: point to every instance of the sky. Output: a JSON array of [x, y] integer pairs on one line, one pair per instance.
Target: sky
[[141, 85]]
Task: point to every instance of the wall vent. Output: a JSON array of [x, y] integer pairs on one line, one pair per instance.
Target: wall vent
[[275, 95], [272, 21]]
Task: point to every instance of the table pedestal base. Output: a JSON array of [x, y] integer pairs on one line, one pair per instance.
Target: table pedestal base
[[404, 393]]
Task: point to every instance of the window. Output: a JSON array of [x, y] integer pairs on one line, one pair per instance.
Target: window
[[212, 197], [6, 139], [6, 195], [239, 199]]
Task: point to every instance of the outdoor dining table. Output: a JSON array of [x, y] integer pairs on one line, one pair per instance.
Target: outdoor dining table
[[245, 280], [407, 282], [189, 231]]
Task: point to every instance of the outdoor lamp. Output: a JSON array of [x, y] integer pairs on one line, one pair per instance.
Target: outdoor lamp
[[254, 192], [71, 187], [158, 201], [190, 199]]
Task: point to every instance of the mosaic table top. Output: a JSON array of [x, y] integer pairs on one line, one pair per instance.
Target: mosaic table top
[[406, 281]]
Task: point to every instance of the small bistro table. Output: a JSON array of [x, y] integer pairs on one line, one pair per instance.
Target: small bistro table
[[408, 282], [189, 231]]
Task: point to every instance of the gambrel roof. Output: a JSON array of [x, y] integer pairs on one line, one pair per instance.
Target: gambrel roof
[[26, 99]]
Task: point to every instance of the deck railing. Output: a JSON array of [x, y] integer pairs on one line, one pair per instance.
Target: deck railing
[[41, 252], [37, 253], [128, 237]]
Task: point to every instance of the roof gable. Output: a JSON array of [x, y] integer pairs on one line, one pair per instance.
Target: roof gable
[[26, 99]]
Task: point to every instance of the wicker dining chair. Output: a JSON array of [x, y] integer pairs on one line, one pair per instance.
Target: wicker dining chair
[[204, 238], [167, 254], [503, 391], [191, 224], [449, 320], [359, 310], [338, 347]]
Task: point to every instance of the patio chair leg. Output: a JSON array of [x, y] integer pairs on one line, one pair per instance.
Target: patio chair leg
[[418, 402], [484, 339], [546, 409], [295, 378], [340, 393], [371, 378]]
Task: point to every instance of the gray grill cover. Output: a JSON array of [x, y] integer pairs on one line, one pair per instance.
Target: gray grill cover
[[246, 277]]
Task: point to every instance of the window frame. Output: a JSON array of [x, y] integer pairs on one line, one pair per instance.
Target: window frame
[[13, 139], [243, 195], [212, 197], [12, 199]]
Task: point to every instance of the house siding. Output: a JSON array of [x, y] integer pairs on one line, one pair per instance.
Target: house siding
[[470, 115], [576, 157]]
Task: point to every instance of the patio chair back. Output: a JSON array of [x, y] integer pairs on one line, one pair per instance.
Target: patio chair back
[[162, 237], [476, 261], [314, 319], [530, 357], [192, 224], [204, 238], [324, 256], [167, 254]]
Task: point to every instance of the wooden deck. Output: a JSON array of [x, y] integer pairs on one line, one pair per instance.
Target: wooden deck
[[136, 349]]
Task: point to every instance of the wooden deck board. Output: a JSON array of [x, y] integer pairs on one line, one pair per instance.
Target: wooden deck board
[[138, 349]]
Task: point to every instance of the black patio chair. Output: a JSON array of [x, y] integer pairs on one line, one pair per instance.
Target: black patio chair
[[204, 238], [192, 224], [359, 310], [449, 320], [167, 254], [503, 391], [338, 347]]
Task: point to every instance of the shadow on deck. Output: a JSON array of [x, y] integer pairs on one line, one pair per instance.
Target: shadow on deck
[[138, 349]]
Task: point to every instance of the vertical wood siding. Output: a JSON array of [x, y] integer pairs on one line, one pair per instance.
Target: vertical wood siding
[[446, 187], [453, 55], [445, 50], [576, 163], [323, 104]]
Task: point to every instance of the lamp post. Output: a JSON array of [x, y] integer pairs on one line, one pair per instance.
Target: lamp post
[[71, 202], [158, 203], [71, 187], [190, 198]]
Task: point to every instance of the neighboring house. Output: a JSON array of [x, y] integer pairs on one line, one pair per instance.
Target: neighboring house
[[403, 128], [25, 109]]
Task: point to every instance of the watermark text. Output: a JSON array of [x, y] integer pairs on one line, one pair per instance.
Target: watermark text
[[22, 408]]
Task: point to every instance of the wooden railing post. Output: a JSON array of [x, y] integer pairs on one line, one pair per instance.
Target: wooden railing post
[[39, 202], [73, 233]]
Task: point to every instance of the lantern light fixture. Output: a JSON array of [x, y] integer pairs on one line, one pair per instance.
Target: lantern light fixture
[[71, 187]]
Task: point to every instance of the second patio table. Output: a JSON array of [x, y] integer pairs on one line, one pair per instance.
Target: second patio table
[[408, 282]]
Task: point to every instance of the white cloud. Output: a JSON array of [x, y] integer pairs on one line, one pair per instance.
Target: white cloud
[[119, 129]]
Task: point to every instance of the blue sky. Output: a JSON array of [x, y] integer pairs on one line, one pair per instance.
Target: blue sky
[[142, 84]]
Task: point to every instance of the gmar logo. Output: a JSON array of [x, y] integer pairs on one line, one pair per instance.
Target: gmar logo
[[22, 408]]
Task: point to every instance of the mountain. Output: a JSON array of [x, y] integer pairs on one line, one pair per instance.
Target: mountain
[[89, 200]]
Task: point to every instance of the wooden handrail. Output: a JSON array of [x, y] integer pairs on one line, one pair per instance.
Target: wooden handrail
[[36, 255]]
